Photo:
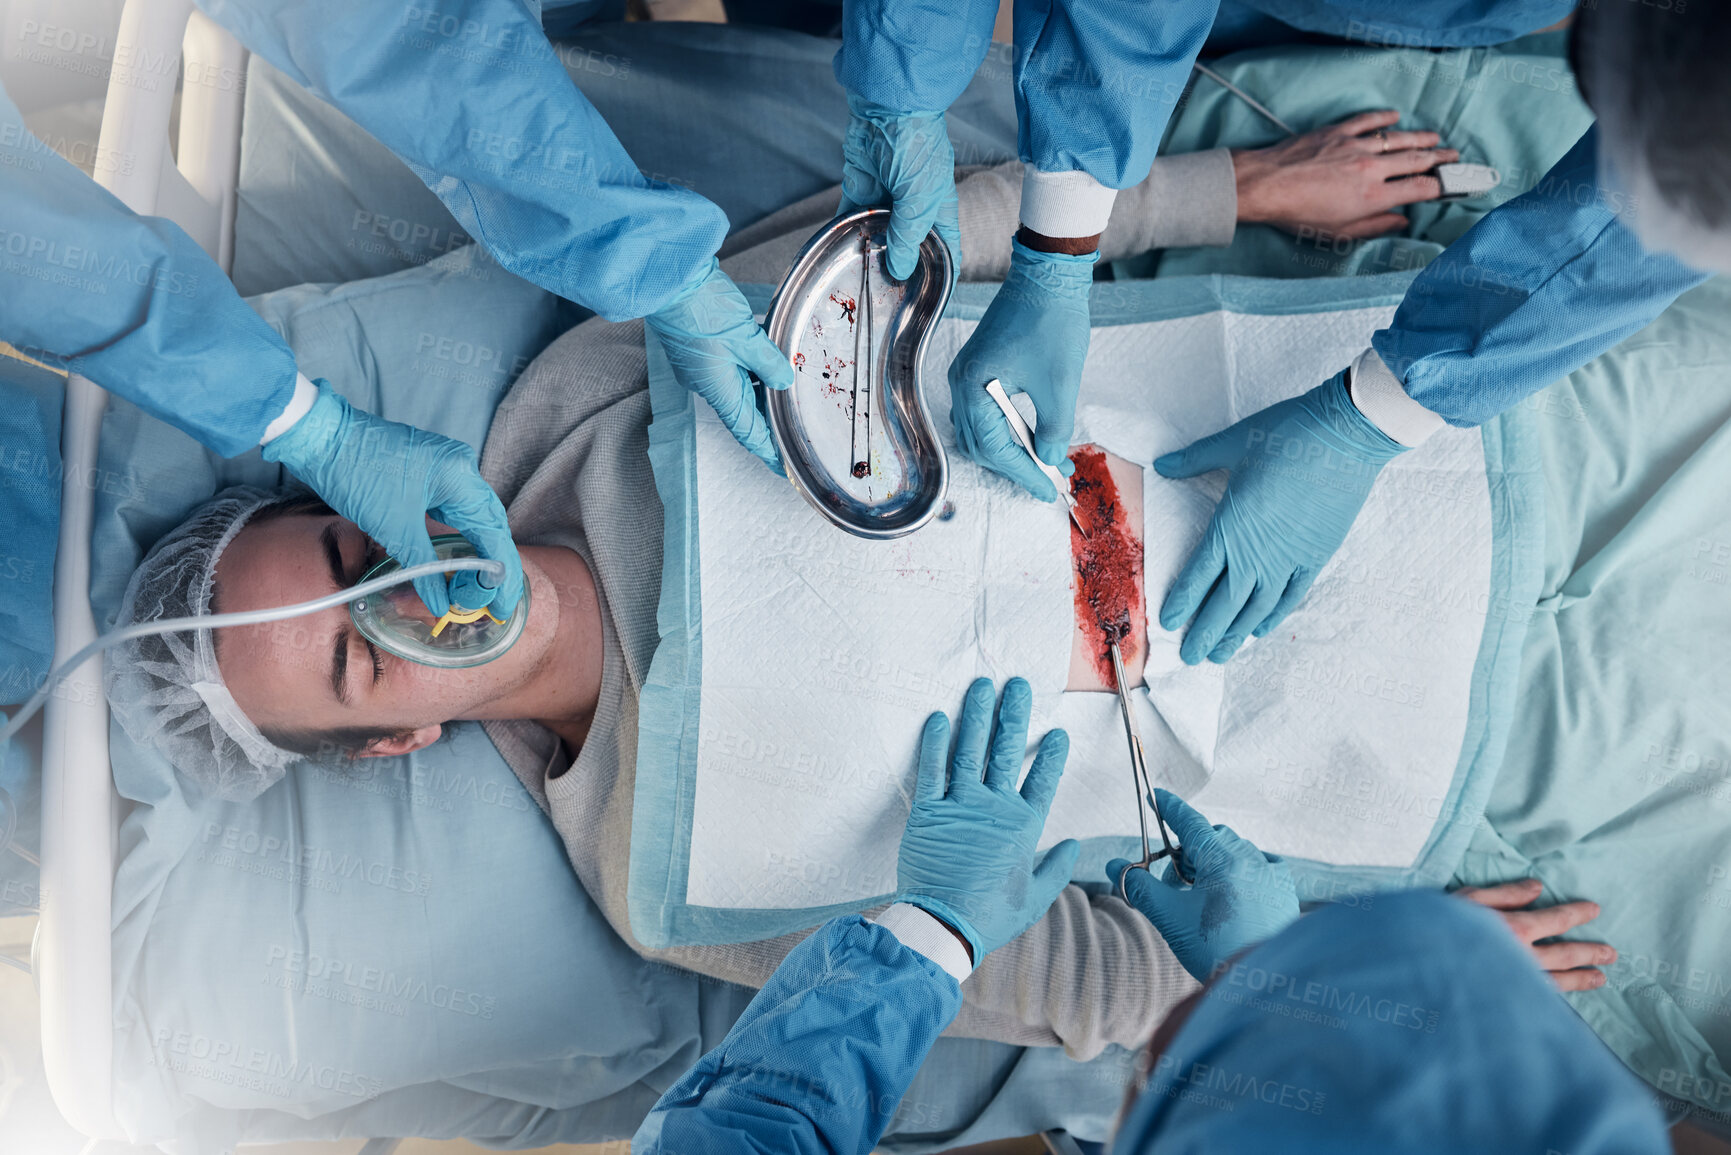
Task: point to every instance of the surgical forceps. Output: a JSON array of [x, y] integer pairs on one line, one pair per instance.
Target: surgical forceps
[[1144, 791]]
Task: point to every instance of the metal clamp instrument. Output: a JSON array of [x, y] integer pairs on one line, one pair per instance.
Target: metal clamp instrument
[[1144, 792]]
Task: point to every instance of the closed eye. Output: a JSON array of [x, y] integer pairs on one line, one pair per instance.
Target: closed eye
[[378, 663]]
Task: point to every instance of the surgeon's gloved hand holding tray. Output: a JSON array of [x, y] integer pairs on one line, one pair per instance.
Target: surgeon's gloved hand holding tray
[[798, 663]]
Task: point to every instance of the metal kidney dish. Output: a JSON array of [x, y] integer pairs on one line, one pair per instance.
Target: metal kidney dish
[[853, 430]]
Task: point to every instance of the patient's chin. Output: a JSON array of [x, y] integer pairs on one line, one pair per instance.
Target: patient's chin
[[1110, 603]]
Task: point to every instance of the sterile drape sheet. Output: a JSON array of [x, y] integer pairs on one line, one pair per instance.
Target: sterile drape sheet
[[783, 709]]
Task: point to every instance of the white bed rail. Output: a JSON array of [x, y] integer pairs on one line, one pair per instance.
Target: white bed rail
[[72, 957]]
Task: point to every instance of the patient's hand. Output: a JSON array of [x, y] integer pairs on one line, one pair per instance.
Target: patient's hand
[[1573, 965], [1342, 180]]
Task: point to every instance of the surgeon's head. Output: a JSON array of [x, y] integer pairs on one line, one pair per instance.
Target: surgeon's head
[[1655, 76], [1415, 1023], [232, 708]]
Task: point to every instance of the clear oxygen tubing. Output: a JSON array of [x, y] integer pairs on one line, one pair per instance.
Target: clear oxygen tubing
[[243, 618], [1244, 96]]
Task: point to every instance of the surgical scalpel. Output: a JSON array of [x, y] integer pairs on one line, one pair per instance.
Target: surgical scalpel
[[1144, 790], [1025, 438]]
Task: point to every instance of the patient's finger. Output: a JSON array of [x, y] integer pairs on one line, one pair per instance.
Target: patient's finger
[[1041, 784], [1409, 190], [934, 753], [1196, 578], [1408, 161], [1363, 122], [1533, 925], [1504, 895], [1579, 980], [1010, 741], [1566, 956], [1391, 142], [973, 733]]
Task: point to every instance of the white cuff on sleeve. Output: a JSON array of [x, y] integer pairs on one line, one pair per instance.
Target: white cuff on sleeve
[[924, 934], [1382, 398], [304, 395], [1065, 204]]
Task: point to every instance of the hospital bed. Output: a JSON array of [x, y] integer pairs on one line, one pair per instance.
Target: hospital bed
[[81, 837], [72, 956]]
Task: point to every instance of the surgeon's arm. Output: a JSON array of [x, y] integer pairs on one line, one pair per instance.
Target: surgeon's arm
[[821, 1058], [1095, 85], [1540, 286], [473, 97], [130, 302], [1536, 289], [912, 55], [823, 1054]]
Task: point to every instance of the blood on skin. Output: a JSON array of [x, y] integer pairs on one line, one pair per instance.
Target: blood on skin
[[1109, 597]]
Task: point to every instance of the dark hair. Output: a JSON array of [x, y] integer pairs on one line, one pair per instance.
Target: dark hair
[[348, 741], [1672, 75], [345, 741]]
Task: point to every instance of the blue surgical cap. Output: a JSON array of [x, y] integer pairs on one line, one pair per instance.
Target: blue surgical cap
[[1414, 1022]]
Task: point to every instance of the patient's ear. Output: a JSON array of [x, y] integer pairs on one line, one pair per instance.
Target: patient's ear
[[403, 744]]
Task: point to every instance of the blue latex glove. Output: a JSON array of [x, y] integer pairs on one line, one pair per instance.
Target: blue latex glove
[[1301, 470], [386, 477], [903, 160], [1240, 897], [968, 854], [1033, 338], [714, 343]]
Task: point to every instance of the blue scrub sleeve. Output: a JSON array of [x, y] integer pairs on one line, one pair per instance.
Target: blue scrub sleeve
[[1097, 80], [1537, 288], [820, 1059], [912, 55], [473, 97], [130, 302]]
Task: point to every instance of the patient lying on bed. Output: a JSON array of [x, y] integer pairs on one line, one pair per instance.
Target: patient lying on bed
[[568, 454]]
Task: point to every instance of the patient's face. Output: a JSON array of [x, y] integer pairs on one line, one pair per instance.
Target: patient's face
[[317, 673]]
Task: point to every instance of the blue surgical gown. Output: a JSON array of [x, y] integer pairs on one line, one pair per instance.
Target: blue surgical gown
[[811, 1066], [1540, 286], [475, 99], [469, 93], [130, 302]]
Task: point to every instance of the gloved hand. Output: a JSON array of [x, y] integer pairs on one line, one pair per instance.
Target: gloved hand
[[968, 854], [1033, 338], [903, 160], [1240, 897], [386, 477], [1301, 470], [713, 342]]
